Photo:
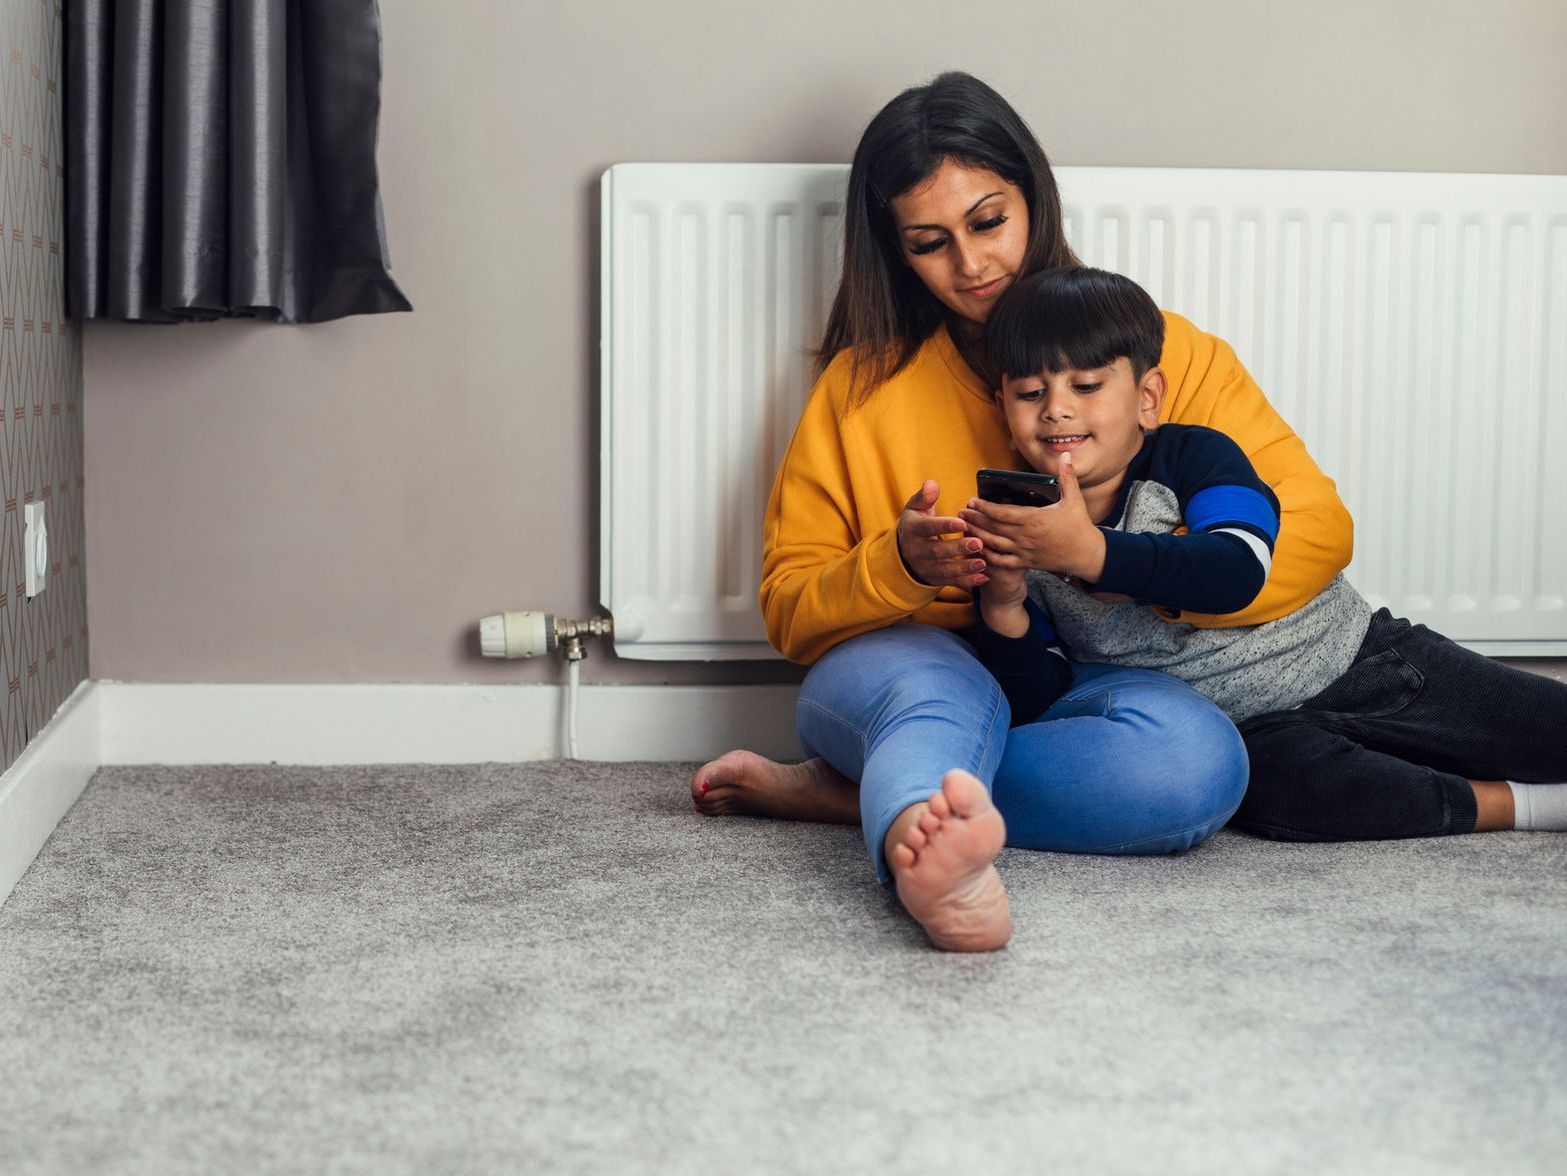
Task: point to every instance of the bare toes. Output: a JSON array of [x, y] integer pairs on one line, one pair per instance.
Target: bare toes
[[902, 857], [963, 793], [940, 805]]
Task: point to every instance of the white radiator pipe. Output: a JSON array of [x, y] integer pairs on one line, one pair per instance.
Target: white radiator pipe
[[529, 634]]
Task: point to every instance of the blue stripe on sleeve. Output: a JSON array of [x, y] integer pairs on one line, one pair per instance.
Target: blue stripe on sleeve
[[1218, 505]]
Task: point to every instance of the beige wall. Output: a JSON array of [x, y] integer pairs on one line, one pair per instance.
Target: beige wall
[[340, 503]]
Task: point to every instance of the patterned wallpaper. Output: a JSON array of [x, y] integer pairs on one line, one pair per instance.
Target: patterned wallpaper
[[43, 641]]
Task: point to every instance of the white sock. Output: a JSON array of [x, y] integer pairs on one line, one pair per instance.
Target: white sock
[[1541, 807]]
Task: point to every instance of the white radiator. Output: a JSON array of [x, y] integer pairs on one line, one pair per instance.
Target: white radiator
[[1412, 328]]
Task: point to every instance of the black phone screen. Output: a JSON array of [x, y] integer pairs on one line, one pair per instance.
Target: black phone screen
[[1019, 487]]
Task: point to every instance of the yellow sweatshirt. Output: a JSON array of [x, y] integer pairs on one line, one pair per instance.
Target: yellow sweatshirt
[[830, 563]]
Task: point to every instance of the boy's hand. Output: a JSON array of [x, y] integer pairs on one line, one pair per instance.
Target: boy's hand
[[1060, 538], [1001, 603], [930, 558]]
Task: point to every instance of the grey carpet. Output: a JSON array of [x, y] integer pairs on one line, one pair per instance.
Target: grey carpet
[[562, 968]]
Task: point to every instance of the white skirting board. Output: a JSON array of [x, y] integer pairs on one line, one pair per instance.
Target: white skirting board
[[40, 787], [111, 723], [368, 724]]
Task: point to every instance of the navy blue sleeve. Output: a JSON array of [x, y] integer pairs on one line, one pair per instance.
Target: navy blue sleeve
[[1030, 672], [1232, 521]]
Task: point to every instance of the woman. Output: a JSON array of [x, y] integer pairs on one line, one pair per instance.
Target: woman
[[950, 198]]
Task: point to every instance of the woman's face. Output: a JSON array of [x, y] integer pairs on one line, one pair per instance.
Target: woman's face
[[964, 231]]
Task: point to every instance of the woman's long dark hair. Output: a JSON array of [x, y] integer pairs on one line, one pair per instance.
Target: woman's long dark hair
[[883, 313]]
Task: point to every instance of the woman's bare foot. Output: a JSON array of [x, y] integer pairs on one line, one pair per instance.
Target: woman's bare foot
[[742, 782], [944, 865]]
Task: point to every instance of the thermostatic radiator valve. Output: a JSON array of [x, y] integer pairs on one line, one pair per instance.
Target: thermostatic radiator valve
[[529, 634]]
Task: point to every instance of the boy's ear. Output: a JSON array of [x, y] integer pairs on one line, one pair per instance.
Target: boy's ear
[[1150, 397]]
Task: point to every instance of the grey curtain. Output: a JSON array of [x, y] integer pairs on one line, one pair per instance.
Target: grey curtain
[[220, 160]]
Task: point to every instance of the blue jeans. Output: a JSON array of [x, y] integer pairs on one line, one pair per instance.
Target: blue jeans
[[1127, 761]]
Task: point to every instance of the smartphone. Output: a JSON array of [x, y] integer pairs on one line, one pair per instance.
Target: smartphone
[[1019, 487]]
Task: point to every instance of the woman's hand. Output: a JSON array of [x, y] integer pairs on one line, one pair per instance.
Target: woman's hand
[[930, 558], [1059, 538]]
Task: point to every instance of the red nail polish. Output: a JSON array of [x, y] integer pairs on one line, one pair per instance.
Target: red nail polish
[[705, 787]]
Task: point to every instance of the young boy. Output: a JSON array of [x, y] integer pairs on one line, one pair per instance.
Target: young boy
[[1359, 725]]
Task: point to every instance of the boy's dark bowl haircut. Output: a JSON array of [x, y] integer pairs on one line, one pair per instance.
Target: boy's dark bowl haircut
[[1077, 318]]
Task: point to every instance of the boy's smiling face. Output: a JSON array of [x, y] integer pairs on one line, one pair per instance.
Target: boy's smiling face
[[1098, 416]]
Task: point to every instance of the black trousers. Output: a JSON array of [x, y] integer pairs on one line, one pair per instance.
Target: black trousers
[[1389, 748]]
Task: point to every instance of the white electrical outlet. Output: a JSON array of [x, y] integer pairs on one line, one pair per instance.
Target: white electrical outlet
[[35, 542]]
